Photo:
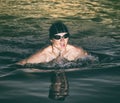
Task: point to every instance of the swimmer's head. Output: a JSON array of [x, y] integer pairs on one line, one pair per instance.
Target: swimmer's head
[[58, 27]]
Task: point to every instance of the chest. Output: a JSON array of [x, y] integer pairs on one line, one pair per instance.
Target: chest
[[69, 55]]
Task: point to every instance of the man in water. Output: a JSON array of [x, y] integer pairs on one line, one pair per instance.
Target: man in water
[[59, 48]]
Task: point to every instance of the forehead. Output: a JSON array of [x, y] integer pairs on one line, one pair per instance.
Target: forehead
[[61, 34]]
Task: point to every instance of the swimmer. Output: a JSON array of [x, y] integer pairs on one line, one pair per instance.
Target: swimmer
[[59, 48]]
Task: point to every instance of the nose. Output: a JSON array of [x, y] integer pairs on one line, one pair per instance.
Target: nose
[[62, 39]]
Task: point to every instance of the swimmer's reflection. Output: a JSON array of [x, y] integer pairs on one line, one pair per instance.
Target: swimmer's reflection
[[59, 87]]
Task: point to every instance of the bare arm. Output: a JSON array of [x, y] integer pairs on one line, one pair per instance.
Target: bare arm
[[35, 58], [75, 53], [83, 52], [39, 57]]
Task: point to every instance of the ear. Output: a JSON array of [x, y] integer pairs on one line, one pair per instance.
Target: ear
[[51, 40]]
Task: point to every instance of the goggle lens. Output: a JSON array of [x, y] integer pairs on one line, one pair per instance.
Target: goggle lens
[[59, 37]]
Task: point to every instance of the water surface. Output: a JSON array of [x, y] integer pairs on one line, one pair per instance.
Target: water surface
[[93, 24]]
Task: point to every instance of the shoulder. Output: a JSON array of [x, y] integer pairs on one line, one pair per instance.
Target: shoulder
[[41, 52], [45, 50], [77, 49]]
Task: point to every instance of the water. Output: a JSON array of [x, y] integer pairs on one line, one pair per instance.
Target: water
[[93, 24]]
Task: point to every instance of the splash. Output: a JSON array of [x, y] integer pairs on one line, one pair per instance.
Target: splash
[[62, 63]]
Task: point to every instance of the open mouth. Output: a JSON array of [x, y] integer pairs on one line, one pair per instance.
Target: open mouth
[[62, 45]]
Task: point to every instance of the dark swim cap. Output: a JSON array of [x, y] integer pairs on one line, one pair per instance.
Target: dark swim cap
[[57, 27]]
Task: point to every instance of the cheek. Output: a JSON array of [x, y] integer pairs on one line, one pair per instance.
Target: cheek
[[66, 41], [55, 42]]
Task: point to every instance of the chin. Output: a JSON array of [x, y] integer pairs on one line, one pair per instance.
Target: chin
[[62, 47]]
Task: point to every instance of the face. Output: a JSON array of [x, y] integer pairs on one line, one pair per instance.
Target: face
[[60, 40]]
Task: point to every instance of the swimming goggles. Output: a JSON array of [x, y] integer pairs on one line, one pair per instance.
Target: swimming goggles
[[57, 37]]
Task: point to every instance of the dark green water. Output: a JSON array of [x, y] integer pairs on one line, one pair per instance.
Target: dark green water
[[93, 24]]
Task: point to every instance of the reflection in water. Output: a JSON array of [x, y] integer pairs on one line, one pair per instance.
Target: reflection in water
[[59, 86]]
